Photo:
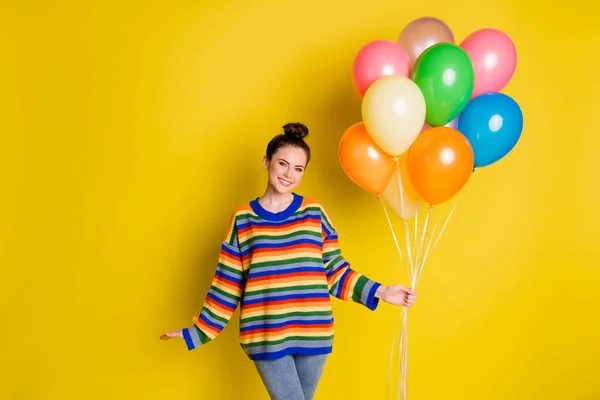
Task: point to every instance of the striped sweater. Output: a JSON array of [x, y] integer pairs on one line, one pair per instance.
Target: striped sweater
[[282, 267]]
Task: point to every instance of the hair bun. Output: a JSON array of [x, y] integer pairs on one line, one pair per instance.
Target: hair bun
[[296, 129]]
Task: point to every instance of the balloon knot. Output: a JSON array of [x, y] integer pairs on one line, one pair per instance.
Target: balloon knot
[[395, 159]]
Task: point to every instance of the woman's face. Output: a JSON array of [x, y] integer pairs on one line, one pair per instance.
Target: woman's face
[[286, 168]]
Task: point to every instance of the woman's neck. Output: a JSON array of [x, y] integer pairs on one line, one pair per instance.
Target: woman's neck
[[275, 202]]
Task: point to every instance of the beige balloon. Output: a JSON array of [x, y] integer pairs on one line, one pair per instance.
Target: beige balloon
[[407, 206], [393, 111], [423, 33]]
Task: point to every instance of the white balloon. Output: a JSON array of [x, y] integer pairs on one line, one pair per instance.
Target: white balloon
[[393, 111]]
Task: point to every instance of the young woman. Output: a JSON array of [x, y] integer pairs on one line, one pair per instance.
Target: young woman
[[280, 259]]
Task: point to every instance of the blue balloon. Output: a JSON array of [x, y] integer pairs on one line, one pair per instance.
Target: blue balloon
[[492, 122]]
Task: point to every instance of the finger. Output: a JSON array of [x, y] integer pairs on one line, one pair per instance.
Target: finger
[[170, 335], [408, 291]]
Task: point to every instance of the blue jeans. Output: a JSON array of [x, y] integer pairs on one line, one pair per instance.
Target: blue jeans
[[293, 377]]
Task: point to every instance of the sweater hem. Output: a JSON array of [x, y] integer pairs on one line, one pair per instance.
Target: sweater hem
[[291, 351]]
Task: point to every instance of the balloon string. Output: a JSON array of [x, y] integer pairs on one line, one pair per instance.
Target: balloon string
[[416, 228], [401, 352], [397, 333], [402, 379], [405, 375], [420, 248], [401, 331], [429, 242], [445, 223], [406, 230], [419, 263], [387, 216], [403, 392], [431, 248]]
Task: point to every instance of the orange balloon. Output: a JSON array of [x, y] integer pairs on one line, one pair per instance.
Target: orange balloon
[[440, 162], [363, 161]]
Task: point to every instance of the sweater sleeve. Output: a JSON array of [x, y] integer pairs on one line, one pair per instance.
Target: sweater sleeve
[[223, 295], [345, 283]]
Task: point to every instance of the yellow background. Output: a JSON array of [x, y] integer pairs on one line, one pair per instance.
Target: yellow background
[[130, 131]]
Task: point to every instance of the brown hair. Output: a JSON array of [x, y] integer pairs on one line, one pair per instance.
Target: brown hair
[[293, 134]]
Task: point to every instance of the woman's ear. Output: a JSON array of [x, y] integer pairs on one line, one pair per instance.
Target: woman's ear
[[265, 162]]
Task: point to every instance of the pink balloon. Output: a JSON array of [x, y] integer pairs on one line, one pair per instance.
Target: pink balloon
[[378, 59], [494, 58]]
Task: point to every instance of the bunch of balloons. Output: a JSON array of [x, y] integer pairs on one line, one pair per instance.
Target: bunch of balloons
[[431, 110]]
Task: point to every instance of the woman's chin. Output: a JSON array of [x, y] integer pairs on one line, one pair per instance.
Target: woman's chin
[[284, 190]]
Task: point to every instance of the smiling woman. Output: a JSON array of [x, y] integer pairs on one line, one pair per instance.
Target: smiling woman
[[281, 260]]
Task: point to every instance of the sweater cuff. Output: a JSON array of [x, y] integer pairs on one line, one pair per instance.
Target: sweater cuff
[[188, 336], [368, 297]]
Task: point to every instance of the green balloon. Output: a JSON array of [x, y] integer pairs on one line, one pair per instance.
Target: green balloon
[[445, 74]]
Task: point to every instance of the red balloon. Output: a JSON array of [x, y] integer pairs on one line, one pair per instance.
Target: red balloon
[[378, 59], [440, 162]]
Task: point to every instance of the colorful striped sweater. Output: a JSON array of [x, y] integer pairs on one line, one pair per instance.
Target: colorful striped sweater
[[282, 267]]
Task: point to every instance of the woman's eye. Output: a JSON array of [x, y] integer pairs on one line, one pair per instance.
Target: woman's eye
[[282, 163], [299, 169]]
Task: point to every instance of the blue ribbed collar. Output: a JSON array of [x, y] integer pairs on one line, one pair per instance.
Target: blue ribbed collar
[[280, 216]]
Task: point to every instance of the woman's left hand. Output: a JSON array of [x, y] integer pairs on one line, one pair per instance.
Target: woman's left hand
[[397, 295]]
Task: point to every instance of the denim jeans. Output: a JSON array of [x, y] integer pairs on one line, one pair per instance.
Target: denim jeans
[[293, 377]]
